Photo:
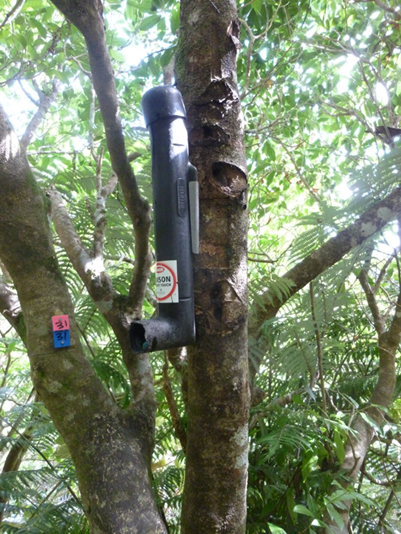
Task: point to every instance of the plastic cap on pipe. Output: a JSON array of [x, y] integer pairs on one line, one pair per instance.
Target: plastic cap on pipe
[[162, 102]]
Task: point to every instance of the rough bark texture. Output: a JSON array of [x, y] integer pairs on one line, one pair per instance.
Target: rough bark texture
[[218, 393], [111, 459]]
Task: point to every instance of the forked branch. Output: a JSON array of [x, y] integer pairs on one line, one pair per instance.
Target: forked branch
[[87, 17]]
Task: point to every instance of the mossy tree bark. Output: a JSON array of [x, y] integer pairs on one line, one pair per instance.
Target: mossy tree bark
[[218, 390]]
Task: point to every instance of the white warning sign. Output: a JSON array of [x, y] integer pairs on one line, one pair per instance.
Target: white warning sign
[[166, 281]]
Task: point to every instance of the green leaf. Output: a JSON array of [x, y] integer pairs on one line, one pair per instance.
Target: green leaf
[[371, 422], [275, 530], [149, 22], [290, 505], [339, 446], [166, 57], [270, 151], [309, 465], [301, 509], [257, 5], [175, 19], [334, 514]]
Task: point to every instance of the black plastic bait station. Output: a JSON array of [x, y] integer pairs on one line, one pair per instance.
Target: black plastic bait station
[[176, 221]]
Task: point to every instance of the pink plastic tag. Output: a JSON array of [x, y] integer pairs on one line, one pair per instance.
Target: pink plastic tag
[[60, 322]]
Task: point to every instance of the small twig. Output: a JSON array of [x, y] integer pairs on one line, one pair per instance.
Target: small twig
[[215, 7], [78, 63], [178, 359], [249, 52], [90, 209], [172, 405], [386, 484], [247, 4], [279, 402], [103, 192], [252, 39], [372, 96], [120, 259], [399, 249], [387, 8], [168, 72], [51, 152], [298, 171], [54, 469], [92, 124], [86, 341], [99, 161], [255, 260], [319, 349], [13, 13], [6, 369], [151, 298], [383, 271]]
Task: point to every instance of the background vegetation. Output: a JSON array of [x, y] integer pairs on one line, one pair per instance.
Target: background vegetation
[[321, 92]]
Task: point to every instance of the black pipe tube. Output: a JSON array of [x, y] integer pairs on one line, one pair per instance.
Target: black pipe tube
[[172, 176]]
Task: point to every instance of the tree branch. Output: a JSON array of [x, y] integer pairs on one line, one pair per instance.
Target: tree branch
[[387, 8], [114, 307], [268, 304], [383, 271], [91, 273], [12, 13], [378, 318], [96, 431], [87, 17], [373, 220], [45, 101], [25, 233]]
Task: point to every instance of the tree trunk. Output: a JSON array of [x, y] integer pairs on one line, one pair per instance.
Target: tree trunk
[[110, 449], [218, 391]]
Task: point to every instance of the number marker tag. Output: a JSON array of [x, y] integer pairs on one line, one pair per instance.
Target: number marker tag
[[61, 331]]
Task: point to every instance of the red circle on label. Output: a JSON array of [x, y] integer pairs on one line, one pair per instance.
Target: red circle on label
[[160, 267]]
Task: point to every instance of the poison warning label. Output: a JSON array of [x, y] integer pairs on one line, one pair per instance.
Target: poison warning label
[[166, 281]]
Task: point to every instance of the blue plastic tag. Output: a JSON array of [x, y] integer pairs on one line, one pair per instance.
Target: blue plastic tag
[[61, 339]]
